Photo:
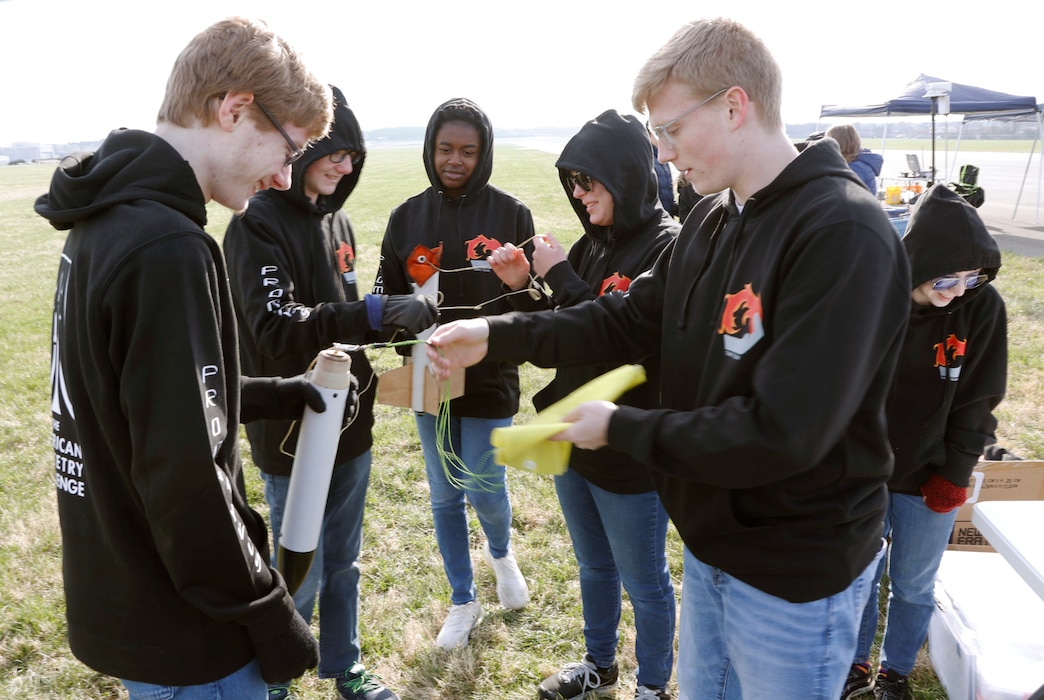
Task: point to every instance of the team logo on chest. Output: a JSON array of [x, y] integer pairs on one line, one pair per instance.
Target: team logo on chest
[[949, 357], [615, 283], [741, 322], [346, 262], [478, 249]]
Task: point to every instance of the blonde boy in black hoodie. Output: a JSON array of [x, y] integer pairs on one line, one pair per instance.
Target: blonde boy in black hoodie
[[777, 314], [952, 374], [167, 580]]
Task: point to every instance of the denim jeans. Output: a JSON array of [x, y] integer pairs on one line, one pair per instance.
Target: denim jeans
[[919, 537], [334, 574], [469, 441], [621, 539], [736, 641], [244, 684]]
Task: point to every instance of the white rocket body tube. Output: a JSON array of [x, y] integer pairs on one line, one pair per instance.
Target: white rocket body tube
[[419, 356], [312, 468]]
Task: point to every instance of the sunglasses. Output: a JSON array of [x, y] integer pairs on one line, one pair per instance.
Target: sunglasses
[[970, 282], [575, 178], [295, 151]]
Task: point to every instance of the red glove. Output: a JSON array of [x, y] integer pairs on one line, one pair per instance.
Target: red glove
[[941, 495]]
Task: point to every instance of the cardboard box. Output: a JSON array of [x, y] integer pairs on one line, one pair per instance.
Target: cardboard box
[[984, 636], [995, 481]]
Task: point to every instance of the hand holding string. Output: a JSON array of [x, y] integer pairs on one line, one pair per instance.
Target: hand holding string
[[457, 344]]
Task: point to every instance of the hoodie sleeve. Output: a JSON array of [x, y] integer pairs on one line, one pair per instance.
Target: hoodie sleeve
[[262, 278], [174, 388], [391, 271], [970, 424]]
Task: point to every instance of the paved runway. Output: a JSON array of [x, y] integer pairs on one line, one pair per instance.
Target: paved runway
[[1001, 176]]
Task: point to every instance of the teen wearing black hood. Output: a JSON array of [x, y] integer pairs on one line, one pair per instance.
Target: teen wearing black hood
[[291, 259], [451, 228], [616, 520], [952, 374], [167, 580]]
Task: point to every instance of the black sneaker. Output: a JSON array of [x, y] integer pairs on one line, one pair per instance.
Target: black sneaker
[[359, 684], [892, 686], [279, 691], [860, 682], [577, 680], [648, 692]]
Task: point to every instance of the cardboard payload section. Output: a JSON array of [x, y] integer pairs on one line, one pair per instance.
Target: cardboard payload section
[[995, 481]]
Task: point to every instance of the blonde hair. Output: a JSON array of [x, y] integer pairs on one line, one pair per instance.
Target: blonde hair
[[711, 54], [243, 55], [847, 139]]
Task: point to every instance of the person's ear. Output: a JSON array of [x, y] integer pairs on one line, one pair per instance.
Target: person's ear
[[233, 109], [738, 102]]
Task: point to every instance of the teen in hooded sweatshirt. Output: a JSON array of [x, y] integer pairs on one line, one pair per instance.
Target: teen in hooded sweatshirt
[[616, 520], [951, 376], [453, 226], [168, 584], [291, 258], [768, 446]]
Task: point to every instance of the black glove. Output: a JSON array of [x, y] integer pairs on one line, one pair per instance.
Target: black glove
[[412, 313], [276, 398], [285, 645]]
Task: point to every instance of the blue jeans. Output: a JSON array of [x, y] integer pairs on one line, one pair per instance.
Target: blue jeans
[[244, 684], [469, 441], [334, 574], [735, 641], [919, 537], [622, 538]]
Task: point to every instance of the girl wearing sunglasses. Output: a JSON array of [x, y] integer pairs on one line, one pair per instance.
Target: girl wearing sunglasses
[[951, 376]]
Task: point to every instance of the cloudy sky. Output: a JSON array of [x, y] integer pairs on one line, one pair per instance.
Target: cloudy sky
[[75, 69]]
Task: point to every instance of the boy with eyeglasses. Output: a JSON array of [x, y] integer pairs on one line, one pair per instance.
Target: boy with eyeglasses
[[168, 586], [952, 374], [768, 446], [291, 266]]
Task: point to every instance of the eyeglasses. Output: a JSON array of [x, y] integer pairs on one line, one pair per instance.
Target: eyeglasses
[[295, 151], [660, 132], [970, 282], [339, 156], [576, 177]]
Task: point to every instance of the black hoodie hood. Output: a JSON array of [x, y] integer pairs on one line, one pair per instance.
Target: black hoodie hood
[[615, 150], [345, 134], [947, 235], [460, 109], [129, 166]]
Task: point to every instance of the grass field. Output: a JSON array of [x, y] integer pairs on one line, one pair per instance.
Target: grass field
[[405, 593]]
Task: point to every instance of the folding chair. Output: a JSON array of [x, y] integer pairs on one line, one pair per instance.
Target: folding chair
[[968, 186]]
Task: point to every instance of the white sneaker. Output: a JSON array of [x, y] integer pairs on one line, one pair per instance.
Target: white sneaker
[[511, 585], [458, 625]]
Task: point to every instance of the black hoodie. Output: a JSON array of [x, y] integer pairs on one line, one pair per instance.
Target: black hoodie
[[615, 151], [165, 565], [291, 266], [468, 229], [954, 365], [778, 330]]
